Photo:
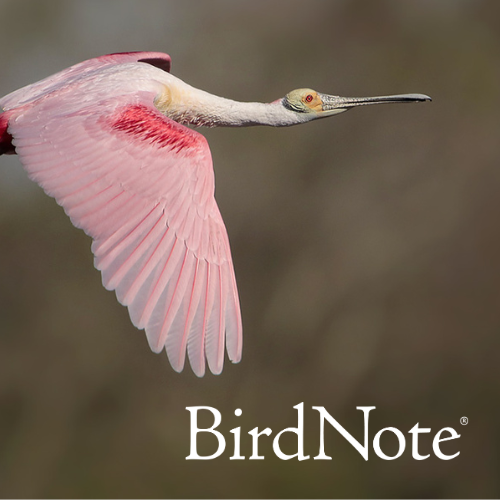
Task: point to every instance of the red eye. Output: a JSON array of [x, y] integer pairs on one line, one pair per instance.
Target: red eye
[[309, 98]]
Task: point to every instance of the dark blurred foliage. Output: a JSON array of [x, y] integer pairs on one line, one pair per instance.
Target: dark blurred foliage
[[366, 247]]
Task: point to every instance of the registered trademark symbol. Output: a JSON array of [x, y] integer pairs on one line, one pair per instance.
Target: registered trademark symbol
[[464, 420]]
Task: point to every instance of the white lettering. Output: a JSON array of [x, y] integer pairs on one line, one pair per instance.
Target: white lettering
[[255, 442], [193, 454], [401, 439], [237, 437], [438, 439], [299, 430], [362, 450], [415, 431]]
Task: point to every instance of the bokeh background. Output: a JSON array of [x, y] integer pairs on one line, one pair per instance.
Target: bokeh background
[[366, 248]]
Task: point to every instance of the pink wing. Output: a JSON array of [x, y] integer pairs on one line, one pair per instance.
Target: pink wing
[[142, 186], [73, 73]]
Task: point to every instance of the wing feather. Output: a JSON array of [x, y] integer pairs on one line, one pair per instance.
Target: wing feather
[[192, 308], [102, 246], [176, 315], [117, 263], [197, 332], [213, 322]]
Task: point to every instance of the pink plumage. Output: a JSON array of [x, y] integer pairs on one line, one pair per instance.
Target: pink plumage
[[142, 186], [107, 139]]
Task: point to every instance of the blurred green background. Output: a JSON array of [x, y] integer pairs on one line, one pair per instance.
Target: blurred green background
[[366, 248]]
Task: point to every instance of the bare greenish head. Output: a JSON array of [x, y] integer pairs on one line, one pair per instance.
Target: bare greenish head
[[318, 105]]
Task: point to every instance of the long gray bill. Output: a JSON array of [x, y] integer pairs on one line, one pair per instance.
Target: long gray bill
[[331, 102]]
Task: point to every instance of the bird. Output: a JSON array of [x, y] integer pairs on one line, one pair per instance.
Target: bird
[[113, 140]]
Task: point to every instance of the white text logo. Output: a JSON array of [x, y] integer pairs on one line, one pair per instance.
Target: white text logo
[[445, 434]]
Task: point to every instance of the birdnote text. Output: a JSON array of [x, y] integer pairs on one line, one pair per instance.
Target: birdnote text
[[444, 434]]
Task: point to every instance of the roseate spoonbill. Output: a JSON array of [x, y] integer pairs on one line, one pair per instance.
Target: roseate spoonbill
[[107, 138]]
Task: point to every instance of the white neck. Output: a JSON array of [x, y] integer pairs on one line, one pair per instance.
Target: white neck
[[188, 105]]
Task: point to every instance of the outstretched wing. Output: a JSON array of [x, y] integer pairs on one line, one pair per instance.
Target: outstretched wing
[[142, 186]]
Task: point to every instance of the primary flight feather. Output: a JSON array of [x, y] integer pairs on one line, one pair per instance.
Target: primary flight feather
[[107, 138]]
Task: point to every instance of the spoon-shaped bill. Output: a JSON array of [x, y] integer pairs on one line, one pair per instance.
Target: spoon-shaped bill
[[334, 104]]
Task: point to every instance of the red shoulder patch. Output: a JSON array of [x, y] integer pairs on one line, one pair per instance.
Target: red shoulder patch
[[151, 126], [6, 146]]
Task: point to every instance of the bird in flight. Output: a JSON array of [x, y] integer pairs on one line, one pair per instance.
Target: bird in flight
[[109, 139]]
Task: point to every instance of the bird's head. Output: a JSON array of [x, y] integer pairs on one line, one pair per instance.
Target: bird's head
[[311, 104]]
